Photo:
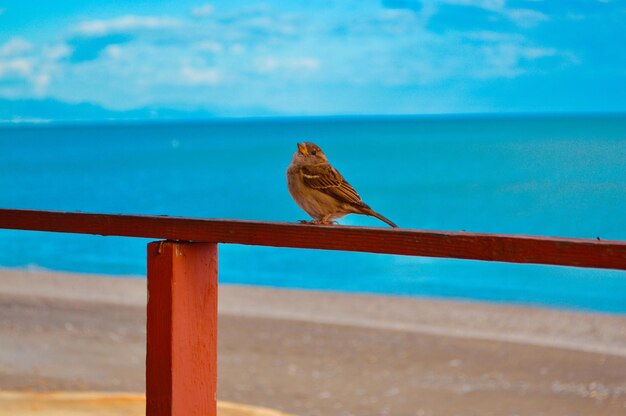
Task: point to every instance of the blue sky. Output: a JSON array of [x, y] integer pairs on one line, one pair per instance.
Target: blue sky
[[241, 58]]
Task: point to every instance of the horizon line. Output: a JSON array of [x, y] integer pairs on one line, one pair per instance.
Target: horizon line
[[43, 122]]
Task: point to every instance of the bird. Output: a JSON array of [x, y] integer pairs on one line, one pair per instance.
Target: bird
[[321, 191]]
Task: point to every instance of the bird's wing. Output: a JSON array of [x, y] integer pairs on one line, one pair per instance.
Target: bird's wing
[[327, 179]]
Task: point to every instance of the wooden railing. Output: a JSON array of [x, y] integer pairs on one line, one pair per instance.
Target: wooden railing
[[181, 363]]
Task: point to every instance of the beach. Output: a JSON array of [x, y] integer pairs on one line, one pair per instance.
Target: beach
[[323, 353]]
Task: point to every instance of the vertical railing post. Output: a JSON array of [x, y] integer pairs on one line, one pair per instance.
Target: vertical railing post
[[181, 362]]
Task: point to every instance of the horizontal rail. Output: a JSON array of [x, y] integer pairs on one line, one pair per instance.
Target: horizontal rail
[[461, 245]]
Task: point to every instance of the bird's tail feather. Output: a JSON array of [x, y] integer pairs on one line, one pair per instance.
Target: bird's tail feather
[[383, 219]]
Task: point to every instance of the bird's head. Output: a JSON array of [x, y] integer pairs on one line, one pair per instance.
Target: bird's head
[[309, 154]]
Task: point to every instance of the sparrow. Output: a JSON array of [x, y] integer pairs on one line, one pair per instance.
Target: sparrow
[[320, 190]]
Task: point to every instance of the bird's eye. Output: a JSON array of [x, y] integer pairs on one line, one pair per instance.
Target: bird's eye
[[313, 152]]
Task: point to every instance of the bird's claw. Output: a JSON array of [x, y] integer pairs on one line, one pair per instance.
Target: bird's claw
[[317, 222]]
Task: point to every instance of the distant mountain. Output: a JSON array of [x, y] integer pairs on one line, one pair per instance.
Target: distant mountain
[[46, 110]]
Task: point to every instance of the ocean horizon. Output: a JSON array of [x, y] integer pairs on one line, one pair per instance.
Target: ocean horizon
[[547, 175]]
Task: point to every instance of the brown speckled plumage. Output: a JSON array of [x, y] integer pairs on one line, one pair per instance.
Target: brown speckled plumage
[[320, 190]]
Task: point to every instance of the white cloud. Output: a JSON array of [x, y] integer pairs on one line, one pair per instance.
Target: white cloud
[[272, 64], [200, 76], [507, 59], [113, 51], [17, 67], [40, 83], [270, 25], [15, 46], [24, 76], [491, 36], [56, 52], [526, 18], [252, 54], [28, 70], [536, 53], [209, 46], [238, 49], [493, 5], [203, 10], [123, 24]]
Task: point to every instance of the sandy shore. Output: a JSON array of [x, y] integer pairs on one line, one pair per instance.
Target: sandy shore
[[312, 353]]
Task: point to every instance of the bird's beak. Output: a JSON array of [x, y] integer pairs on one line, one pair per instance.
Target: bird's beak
[[302, 149]]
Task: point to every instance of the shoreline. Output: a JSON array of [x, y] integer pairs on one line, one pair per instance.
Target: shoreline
[[31, 270], [310, 353]]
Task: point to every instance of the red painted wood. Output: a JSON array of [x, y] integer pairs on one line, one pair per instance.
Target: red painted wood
[[181, 362], [490, 247]]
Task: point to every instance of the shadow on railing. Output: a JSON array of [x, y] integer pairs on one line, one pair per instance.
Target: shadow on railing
[[181, 363]]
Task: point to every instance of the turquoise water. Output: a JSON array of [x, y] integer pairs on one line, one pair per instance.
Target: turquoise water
[[554, 176]]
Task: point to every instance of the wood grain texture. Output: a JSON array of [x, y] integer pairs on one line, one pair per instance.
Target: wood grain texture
[[460, 245], [181, 361]]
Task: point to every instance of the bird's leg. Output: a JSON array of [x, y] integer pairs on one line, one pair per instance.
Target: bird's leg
[[325, 220], [321, 221]]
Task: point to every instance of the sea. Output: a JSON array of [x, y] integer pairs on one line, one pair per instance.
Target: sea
[[547, 175]]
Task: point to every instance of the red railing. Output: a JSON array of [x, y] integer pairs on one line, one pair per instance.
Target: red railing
[[181, 363]]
